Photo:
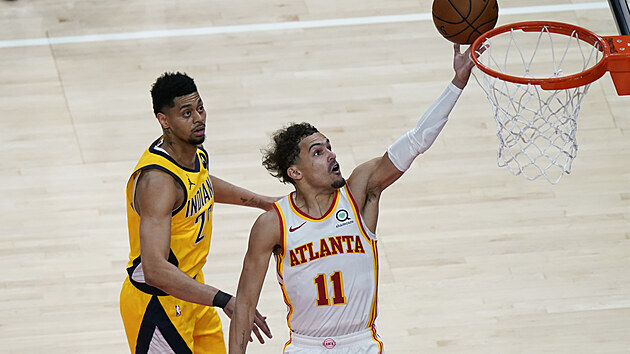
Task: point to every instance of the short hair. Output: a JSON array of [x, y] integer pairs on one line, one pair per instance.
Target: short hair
[[284, 150], [167, 87]]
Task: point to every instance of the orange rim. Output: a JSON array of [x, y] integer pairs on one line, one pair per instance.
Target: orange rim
[[556, 83]]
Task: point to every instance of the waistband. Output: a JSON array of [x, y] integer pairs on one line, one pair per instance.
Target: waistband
[[336, 341]]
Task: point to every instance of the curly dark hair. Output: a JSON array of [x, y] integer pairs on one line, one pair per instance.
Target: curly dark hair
[[284, 150], [168, 86]]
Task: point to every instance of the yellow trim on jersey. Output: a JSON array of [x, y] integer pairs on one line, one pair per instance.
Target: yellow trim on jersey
[[357, 216], [287, 343], [375, 338], [375, 299], [283, 241], [366, 234], [280, 262], [288, 302], [304, 216]]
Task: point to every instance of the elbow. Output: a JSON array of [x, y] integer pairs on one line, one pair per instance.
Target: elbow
[[151, 279], [152, 275]]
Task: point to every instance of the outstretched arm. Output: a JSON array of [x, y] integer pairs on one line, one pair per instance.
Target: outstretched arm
[[226, 192], [368, 180], [423, 135], [264, 237]]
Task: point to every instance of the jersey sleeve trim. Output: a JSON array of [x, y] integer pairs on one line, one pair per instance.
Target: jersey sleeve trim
[[307, 217], [283, 239], [175, 176], [355, 209], [158, 151]]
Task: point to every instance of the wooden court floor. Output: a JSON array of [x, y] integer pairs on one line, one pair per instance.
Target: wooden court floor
[[473, 259]]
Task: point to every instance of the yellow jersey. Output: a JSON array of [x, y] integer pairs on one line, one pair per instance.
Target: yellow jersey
[[191, 222]]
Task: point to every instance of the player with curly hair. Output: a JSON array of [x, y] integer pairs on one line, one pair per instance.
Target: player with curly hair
[[323, 234]]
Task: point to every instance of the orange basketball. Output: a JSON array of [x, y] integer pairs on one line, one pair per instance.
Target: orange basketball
[[462, 21]]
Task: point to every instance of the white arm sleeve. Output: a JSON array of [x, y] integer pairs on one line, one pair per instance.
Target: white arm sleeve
[[419, 139]]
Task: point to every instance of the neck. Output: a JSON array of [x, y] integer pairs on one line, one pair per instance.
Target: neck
[[315, 204], [182, 152]]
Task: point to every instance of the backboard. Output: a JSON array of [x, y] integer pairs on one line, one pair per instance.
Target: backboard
[[621, 13]]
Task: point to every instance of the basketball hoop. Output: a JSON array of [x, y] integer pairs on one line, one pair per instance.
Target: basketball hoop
[[535, 74]]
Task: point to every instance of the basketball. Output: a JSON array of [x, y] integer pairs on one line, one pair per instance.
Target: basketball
[[462, 21]]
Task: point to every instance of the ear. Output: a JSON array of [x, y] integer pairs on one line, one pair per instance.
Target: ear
[[161, 117], [294, 173]]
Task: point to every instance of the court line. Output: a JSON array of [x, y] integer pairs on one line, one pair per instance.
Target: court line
[[279, 26]]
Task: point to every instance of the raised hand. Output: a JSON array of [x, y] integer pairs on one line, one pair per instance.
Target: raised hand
[[462, 64]]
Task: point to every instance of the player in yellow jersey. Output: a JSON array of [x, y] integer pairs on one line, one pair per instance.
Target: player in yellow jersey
[[323, 234], [164, 303]]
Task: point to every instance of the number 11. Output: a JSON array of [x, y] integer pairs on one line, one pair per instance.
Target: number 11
[[322, 289]]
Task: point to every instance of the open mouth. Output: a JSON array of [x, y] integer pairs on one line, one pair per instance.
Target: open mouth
[[334, 167]]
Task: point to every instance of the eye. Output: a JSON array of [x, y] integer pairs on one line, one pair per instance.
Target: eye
[[186, 114], [200, 109]]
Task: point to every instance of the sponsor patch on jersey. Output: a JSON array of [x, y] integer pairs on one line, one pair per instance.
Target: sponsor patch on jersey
[[343, 217]]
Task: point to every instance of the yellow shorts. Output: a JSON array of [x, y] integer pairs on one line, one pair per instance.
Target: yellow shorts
[[167, 324]]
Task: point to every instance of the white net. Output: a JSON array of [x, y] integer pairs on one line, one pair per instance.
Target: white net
[[536, 128]]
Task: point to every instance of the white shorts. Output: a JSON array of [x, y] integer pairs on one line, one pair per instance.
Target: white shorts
[[364, 342]]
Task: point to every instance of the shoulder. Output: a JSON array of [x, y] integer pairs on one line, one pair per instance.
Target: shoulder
[[157, 193], [369, 179], [155, 162], [266, 233], [158, 185], [359, 181], [156, 177], [360, 176], [268, 221]]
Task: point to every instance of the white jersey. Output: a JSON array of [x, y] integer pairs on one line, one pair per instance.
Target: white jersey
[[328, 269]]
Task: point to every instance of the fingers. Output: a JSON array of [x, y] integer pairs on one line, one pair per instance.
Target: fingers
[[261, 322], [482, 48], [466, 54], [258, 335], [470, 62]]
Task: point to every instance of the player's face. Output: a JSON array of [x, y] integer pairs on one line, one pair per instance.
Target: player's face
[[187, 119], [318, 163]]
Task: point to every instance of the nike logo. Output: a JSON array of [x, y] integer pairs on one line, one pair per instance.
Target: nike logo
[[291, 229]]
